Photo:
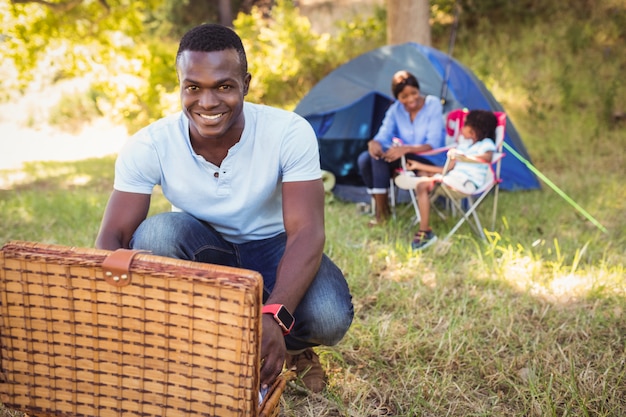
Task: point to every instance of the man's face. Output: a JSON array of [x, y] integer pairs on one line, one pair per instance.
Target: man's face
[[212, 91]]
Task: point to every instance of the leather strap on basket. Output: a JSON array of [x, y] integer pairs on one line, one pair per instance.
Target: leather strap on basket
[[116, 266]]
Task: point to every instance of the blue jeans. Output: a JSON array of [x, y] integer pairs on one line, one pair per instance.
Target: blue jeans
[[323, 315]]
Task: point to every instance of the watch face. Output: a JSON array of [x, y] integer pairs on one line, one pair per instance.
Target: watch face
[[286, 317]]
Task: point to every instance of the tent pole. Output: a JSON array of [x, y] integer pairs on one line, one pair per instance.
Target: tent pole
[[455, 25]]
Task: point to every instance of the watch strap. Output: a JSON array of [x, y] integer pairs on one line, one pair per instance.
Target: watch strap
[[278, 310]]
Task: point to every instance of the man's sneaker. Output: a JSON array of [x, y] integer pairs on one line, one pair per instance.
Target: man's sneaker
[[423, 239], [308, 367]]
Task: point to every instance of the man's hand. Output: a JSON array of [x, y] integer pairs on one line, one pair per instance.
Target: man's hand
[[273, 350]]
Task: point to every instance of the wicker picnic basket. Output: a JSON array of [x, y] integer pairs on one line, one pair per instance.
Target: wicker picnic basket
[[87, 332]]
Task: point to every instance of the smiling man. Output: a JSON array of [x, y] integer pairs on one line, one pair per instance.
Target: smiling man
[[245, 182]]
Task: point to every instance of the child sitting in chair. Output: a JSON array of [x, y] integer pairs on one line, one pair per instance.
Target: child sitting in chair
[[460, 173]]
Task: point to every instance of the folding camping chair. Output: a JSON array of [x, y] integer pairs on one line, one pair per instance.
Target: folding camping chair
[[464, 203], [453, 125], [468, 204]]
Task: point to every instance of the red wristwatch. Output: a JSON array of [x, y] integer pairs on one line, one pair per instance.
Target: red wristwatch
[[282, 316]]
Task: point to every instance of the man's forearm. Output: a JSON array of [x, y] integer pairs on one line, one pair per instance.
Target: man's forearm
[[297, 269]]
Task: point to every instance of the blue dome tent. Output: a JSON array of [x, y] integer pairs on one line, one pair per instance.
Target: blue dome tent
[[347, 106]]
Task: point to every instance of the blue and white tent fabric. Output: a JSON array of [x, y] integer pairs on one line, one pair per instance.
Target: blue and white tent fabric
[[347, 106]]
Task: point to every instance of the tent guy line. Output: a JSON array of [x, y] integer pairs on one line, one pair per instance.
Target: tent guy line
[[556, 189]]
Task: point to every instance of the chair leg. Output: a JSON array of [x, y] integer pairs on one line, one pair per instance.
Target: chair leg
[[392, 198], [456, 204], [436, 194], [417, 217], [495, 208], [476, 226]]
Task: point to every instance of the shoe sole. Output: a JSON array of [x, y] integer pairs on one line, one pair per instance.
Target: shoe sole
[[408, 182]]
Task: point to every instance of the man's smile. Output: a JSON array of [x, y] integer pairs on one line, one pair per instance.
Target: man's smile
[[211, 116]]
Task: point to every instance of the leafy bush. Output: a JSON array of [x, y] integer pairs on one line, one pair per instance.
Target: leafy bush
[[75, 110], [287, 58]]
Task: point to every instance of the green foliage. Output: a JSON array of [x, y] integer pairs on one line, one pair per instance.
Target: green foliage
[[71, 41], [494, 11], [75, 110], [360, 35], [132, 71], [140, 91], [175, 17], [287, 58], [280, 50], [128, 52], [109, 45]]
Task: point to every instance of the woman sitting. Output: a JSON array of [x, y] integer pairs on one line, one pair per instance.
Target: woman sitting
[[417, 120]]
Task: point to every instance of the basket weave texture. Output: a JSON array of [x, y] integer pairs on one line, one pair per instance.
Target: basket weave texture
[[182, 339]]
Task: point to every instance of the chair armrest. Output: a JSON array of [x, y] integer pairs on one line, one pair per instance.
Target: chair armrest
[[465, 158], [399, 142], [495, 157], [436, 151]]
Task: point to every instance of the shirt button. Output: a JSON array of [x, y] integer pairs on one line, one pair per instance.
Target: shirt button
[[216, 175]]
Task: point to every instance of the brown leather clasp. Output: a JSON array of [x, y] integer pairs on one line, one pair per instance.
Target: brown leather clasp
[[116, 266]]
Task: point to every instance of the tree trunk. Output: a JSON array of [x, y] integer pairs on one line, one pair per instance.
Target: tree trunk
[[408, 21], [225, 12]]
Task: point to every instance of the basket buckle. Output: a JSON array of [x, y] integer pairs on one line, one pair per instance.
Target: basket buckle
[[116, 266]]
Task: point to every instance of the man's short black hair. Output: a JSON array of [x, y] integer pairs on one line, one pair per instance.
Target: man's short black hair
[[211, 37], [483, 122]]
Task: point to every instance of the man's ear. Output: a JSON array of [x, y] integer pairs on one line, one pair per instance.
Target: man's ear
[[246, 83]]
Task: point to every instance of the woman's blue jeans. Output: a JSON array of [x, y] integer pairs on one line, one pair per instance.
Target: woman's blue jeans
[[323, 315]]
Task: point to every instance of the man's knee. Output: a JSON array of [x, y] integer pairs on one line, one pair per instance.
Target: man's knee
[[336, 325], [329, 308]]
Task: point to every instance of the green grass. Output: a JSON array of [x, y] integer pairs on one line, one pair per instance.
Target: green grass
[[58, 202], [530, 322], [498, 328]]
